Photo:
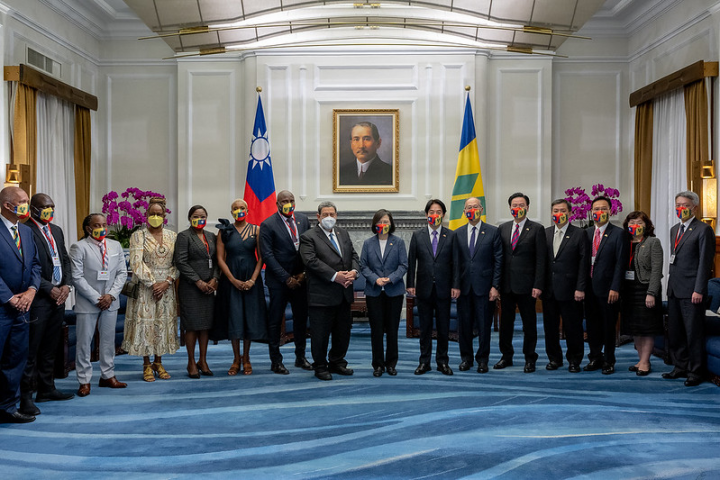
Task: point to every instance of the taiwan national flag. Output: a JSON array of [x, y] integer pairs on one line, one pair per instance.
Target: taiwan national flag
[[259, 183]]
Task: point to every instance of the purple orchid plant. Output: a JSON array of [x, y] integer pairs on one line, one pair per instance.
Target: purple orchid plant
[[581, 202], [126, 212]]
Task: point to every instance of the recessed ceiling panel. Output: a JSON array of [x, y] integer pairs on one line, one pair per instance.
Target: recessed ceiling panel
[[178, 13], [556, 13], [512, 11]]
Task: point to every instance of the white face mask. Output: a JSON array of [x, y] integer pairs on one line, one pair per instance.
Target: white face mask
[[328, 223]]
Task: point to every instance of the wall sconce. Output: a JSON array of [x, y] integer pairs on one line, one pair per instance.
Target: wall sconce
[[708, 169], [12, 174], [710, 201]]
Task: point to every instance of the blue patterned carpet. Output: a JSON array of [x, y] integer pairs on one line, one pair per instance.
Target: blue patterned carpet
[[504, 424]]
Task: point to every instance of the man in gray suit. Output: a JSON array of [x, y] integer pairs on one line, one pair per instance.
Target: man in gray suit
[[99, 273], [331, 265], [692, 252]]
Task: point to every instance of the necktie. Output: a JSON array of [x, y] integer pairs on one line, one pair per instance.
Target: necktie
[[16, 237], [57, 274], [334, 243], [434, 242], [102, 254], [681, 232], [596, 242], [557, 241], [515, 236], [471, 246], [293, 231]]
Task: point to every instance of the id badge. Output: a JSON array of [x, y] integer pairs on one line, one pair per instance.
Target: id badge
[[672, 259], [56, 261], [209, 262], [103, 275], [629, 275]]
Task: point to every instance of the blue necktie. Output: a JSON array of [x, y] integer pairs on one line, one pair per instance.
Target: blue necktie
[[471, 247], [57, 274], [334, 244], [434, 243]]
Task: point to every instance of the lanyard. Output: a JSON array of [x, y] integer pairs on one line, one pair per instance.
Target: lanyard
[[49, 238], [679, 237], [207, 245], [632, 254]]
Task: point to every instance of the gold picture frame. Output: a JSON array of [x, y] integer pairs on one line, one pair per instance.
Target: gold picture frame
[[366, 169]]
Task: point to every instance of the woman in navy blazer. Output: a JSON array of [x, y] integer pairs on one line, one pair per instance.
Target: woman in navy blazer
[[383, 263]]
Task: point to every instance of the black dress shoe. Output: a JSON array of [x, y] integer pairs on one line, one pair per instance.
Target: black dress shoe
[[53, 396], [676, 373], [608, 369], [553, 365], [423, 368], [482, 367], [378, 371], [592, 366], [279, 368], [195, 375], [341, 370], [529, 367], [465, 366], [642, 373], [693, 382], [391, 371], [207, 373], [633, 368], [323, 375], [28, 407], [502, 364], [15, 417], [445, 369], [302, 362], [574, 368]]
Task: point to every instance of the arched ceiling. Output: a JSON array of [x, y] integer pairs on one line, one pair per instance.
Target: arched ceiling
[[216, 26]]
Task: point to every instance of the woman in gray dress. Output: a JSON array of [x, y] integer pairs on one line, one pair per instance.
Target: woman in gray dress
[[196, 260]]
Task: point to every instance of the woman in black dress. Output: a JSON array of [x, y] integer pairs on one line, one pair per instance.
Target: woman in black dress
[[196, 261], [241, 287], [641, 302]]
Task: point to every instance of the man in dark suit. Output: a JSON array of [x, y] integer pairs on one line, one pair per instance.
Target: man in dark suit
[[366, 168], [429, 279], [19, 282], [568, 262], [691, 260], [48, 308], [609, 260], [478, 256], [331, 266], [523, 280], [285, 278]]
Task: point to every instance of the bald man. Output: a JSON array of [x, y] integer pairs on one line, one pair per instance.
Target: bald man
[[19, 281]]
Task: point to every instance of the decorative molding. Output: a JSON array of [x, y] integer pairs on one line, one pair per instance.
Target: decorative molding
[[668, 36], [359, 84]]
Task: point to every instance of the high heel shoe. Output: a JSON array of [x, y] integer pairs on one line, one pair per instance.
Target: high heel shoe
[[160, 370], [148, 374], [207, 372], [193, 375]]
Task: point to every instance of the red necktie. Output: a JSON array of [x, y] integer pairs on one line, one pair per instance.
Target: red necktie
[[516, 235]]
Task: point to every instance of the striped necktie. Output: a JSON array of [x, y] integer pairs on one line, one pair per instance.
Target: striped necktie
[[16, 237], [515, 236]]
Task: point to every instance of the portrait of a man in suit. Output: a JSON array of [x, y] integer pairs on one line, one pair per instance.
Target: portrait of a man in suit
[[365, 152]]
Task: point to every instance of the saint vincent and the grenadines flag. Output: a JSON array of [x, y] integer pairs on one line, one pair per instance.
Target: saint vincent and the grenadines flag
[[259, 183], [468, 178]]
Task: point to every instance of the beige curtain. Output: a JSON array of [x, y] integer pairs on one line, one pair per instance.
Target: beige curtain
[[24, 135], [696, 112], [82, 165], [643, 156]]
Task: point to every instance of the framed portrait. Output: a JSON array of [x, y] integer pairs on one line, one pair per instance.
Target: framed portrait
[[365, 151]]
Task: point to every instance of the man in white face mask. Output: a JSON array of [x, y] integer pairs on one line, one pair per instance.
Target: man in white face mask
[[331, 265]]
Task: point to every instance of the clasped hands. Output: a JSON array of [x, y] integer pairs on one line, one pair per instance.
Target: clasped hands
[[208, 288], [60, 294], [295, 281], [240, 285], [159, 289], [22, 301], [346, 277]]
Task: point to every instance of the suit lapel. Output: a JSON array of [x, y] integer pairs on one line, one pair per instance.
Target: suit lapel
[[427, 240], [5, 234], [442, 240], [688, 233], [565, 240], [328, 242], [44, 242], [604, 237]]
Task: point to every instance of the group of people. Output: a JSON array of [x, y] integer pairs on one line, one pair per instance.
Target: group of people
[[594, 274]]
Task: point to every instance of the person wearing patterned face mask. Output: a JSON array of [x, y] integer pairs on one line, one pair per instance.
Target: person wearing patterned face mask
[[608, 263], [48, 308], [20, 275], [430, 280], [523, 280], [568, 260], [383, 263], [692, 252], [241, 296], [285, 278], [196, 261], [641, 311], [99, 273], [151, 318]]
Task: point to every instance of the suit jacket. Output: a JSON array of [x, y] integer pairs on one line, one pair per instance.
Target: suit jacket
[[524, 268], [428, 269], [568, 270], [17, 272], [611, 260], [278, 250], [378, 173], [393, 264], [191, 257], [322, 261], [86, 263], [46, 262], [694, 258], [483, 270]]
